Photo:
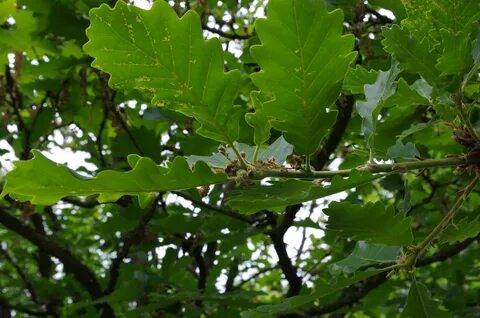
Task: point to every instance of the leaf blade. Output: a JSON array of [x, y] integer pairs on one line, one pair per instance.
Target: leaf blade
[[158, 53], [42, 181], [306, 42]]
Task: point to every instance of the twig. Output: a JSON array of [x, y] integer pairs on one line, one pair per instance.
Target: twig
[[232, 36], [28, 283], [82, 273], [372, 168], [284, 261], [129, 239], [422, 247], [215, 208], [373, 282]]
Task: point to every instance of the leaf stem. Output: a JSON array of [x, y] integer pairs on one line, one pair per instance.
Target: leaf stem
[[373, 168], [255, 154], [239, 156], [308, 165], [463, 115]]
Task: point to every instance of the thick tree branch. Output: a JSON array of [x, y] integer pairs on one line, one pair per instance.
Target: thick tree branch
[[345, 108], [284, 261], [231, 36], [72, 264]]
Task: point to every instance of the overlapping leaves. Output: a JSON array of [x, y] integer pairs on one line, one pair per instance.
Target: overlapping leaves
[[279, 194]]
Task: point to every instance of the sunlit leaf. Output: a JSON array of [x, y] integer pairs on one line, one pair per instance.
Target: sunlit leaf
[[42, 181], [158, 53], [304, 58]]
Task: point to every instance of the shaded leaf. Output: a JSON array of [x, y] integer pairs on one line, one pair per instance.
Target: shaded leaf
[[356, 79], [278, 194], [365, 254], [413, 55], [460, 231], [401, 150], [372, 223], [295, 302], [304, 58], [420, 304]]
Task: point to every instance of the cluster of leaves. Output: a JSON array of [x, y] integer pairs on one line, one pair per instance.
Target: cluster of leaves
[[214, 139]]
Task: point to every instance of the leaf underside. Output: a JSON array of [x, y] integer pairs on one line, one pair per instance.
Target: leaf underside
[[44, 182]]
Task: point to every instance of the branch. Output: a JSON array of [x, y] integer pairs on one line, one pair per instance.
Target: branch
[[108, 101], [28, 283], [81, 203], [202, 267], [420, 249], [373, 282], [373, 168], [5, 304], [284, 261], [345, 108], [215, 208], [232, 36], [72, 264], [129, 239]]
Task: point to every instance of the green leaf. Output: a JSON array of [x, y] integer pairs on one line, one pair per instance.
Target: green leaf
[[323, 290], [259, 120], [356, 79], [375, 95], [476, 47], [44, 182], [420, 304], [409, 96], [304, 58], [372, 223], [414, 55], [365, 254], [456, 56], [428, 18], [156, 52], [278, 194], [278, 151], [461, 231], [7, 8], [401, 150]]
